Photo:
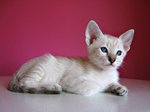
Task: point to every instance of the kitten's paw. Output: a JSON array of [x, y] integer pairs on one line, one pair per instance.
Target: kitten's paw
[[51, 89], [13, 87], [46, 89], [119, 90]]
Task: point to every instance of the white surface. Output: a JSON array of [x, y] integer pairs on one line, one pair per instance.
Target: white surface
[[138, 100]]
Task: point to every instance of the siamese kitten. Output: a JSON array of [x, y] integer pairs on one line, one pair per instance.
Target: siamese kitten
[[85, 76]]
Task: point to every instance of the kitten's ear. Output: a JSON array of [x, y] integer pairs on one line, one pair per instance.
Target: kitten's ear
[[92, 32], [127, 38]]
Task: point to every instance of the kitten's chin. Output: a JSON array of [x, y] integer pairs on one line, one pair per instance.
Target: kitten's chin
[[109, 66], [106, 67]]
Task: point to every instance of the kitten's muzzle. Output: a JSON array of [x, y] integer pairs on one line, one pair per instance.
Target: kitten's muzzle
[[111, 60]]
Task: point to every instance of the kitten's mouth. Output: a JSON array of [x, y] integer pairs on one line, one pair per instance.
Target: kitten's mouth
[[110, 65]]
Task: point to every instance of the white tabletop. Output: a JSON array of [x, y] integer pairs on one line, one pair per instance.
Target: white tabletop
[[138, 100]]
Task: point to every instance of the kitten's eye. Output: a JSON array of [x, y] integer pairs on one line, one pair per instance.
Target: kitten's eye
[[104, 49], [119, 53]]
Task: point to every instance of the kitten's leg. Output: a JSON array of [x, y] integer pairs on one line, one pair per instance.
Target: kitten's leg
[[23, 84], [36, 82], [86, 88], [31, 86], [41, 76], [51, 89], [118, 89], [28, 85]]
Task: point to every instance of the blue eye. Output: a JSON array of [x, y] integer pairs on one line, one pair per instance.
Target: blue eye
[[119, 53], [104, 50]]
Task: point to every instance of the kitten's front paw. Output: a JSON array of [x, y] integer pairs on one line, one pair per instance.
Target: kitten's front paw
[[119, 90]]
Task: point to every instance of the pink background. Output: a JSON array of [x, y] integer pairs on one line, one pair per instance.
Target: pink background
[[30, 28]]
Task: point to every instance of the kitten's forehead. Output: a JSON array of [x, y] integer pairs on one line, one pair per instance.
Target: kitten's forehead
[[112, 41], [109, 41]]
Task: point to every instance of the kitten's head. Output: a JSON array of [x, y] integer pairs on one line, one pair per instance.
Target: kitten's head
[[106, 51]]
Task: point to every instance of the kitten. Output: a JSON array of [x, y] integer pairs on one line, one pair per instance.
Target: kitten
[[84, 76]]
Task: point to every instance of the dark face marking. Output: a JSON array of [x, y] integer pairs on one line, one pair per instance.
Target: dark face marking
[[111, 60]]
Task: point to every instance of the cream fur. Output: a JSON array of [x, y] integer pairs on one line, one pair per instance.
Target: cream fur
[[85, 76]]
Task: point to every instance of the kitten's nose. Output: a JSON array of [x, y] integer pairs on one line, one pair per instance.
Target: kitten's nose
[[112, 60]]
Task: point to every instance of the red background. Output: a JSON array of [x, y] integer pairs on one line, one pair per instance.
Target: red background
[[30, 28]]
